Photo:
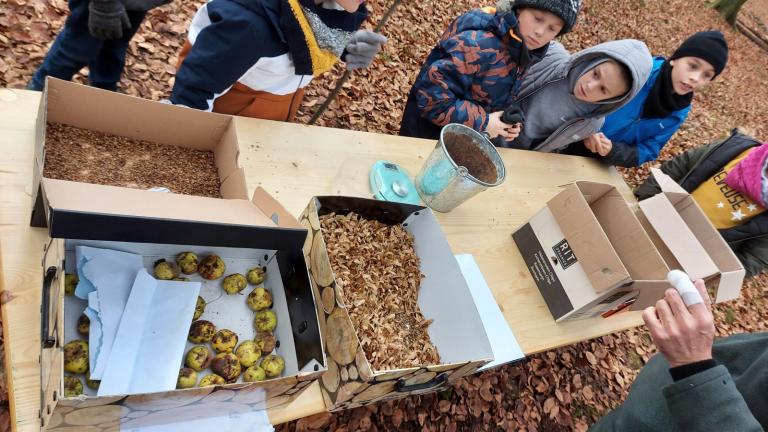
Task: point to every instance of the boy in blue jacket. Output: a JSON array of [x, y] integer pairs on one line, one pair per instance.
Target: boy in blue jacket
[[636, 133], [474, 72]]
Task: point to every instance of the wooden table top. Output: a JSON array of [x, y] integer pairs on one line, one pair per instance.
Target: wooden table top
[[293, 163]]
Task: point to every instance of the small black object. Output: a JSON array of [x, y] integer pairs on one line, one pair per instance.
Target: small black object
[[513, 114]]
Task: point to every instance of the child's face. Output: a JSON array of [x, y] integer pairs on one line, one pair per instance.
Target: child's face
[[604, 81], [690, 73], [350, 5], [538, 27]]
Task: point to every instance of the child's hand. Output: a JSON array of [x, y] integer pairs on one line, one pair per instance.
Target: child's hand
[[598, 143], [496, 127]]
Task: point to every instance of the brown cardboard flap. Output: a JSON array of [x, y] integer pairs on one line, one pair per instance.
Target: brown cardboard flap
[[649, 292], [636, 250], [90, 198], [274, 210], [589, 243], [669, 186], [678, 237], [133, 117]]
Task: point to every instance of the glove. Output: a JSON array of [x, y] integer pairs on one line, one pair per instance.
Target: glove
[[107, 19], [362, 48], [513, 114]]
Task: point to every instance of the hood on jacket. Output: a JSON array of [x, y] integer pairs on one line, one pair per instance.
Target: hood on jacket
[[558, 63]]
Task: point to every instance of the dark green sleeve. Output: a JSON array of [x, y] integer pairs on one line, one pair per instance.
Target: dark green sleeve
[[709, 401], [753, 255], [677, 168]]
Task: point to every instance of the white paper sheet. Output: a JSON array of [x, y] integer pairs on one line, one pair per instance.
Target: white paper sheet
[[151, 338], [94, 328], [505, 347], [111, 273]]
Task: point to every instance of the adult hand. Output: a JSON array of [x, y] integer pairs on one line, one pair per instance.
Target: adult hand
[[107, 19], [683, 334], [496, 127], [362, 48]]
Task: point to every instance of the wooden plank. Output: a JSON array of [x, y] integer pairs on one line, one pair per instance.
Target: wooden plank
[[295, 162]]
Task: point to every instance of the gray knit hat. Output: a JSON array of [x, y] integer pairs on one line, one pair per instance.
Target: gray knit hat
[[565, 9]]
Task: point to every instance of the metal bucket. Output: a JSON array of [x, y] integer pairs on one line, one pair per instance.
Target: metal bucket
[[443, 183]]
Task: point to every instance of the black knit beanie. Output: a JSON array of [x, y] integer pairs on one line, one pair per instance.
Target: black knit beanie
[[706, 45], [567, 10]]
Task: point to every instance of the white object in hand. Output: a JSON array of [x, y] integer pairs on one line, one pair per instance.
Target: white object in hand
[[685, 287]]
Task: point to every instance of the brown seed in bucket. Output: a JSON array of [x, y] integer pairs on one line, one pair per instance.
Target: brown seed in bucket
[[465, 153]]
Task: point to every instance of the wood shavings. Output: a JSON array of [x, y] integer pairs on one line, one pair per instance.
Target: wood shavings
[[93, 157], [377, 270]]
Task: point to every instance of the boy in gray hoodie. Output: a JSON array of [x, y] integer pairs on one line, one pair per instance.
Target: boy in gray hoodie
[[565, 97]]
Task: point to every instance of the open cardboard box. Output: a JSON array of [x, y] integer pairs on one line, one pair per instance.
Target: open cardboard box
[[118, 114], [457, 330], [154, 224], [588, 252]]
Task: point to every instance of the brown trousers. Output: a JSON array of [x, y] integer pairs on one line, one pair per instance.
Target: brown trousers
[[243, 101]]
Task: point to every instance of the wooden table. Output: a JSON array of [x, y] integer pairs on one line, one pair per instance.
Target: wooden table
[[295, 162]]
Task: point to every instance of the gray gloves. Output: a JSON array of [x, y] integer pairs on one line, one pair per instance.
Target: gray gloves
[[107, 19], [362, 48]]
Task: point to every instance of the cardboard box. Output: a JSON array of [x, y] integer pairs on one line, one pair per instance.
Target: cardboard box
[[457, 330], [118, 114], [162, 225], [589, 252]]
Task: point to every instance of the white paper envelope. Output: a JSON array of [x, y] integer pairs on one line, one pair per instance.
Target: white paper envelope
[[151, 338]]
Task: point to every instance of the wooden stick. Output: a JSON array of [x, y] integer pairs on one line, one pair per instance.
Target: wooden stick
[[345, 76]]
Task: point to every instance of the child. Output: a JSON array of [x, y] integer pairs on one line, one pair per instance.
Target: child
[[636, 133], [253, 58], [727, 180], [96, 34], [565, 97], [473, 73]]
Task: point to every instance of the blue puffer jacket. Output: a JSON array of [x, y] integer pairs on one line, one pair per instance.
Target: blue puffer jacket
[[637, 140]]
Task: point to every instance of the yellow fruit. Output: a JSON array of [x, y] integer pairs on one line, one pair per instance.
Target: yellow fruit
[[198, 357], [233, 283], [70, 283], [256, 275], [259, 299], [201, 331], [83, 325], [210, 380], [248, 353], [199, 308], [224, 341], [265, 321], [211, 267], [266, 342], [187, 262], [73, 387], [227, 366], [93, 384], [165, 270], [76, 356], [253, 374], [273, 366], [187, 378]]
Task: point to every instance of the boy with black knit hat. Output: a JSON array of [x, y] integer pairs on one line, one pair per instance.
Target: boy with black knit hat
[[475, 70], [636, 133]]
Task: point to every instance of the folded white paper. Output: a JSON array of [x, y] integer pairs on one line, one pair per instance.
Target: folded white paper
[[505, 347], [151, 338], [111, 274]]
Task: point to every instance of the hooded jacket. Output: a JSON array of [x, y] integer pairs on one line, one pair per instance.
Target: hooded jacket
[[474, 70], [254, 45], [748, 241], [554, 69]]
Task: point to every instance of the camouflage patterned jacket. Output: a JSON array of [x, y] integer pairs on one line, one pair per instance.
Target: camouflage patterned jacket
[[474, 70]]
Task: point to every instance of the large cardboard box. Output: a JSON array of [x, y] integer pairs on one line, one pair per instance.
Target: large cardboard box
[[122, 115], [160, 225], [588, 251], [457, 330]]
